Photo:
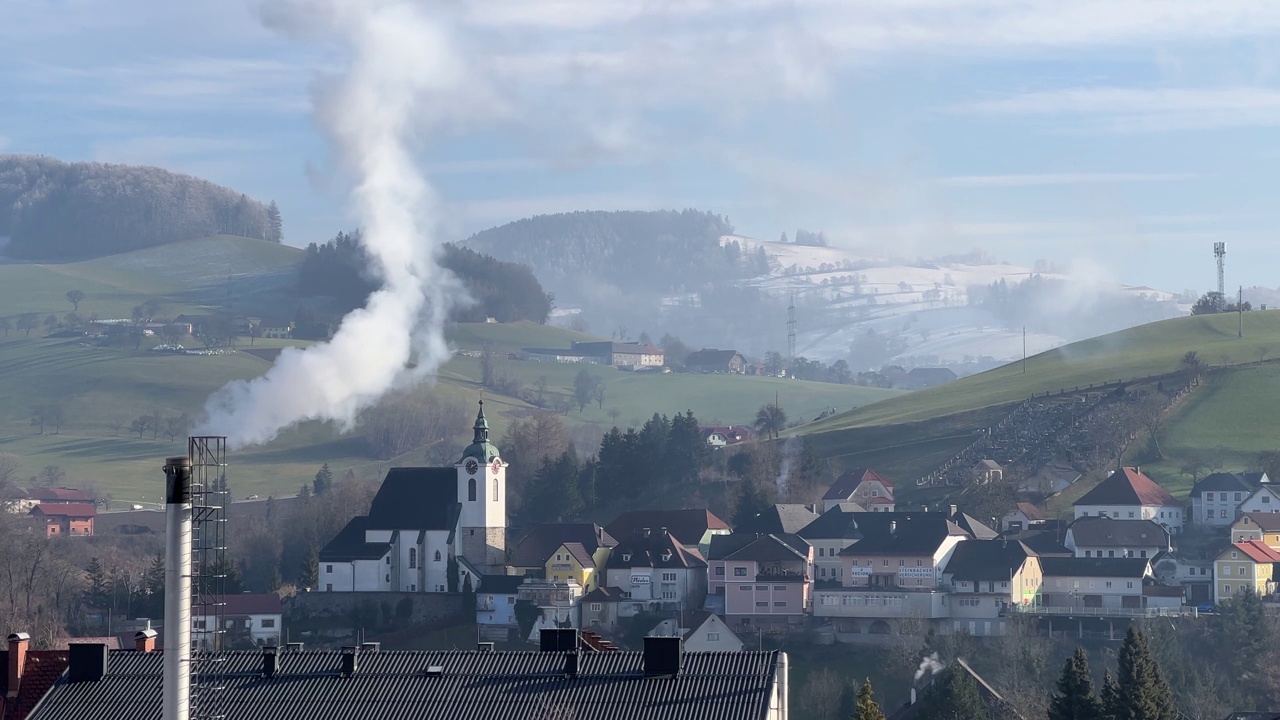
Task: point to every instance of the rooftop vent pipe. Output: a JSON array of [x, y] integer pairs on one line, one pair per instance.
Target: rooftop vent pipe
[[270, 661], [370, 646], [349, 664], [177, 590]]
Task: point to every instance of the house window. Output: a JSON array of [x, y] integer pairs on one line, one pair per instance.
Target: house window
[[1237, 497], [1142, 553], [437, 556], [1210, 513], [595, 607], [822, 552], [471, 490], [1129, 584], [822, 572], [495, 489], [762, 603], [413, 588], [1266, 498], [388, 559], [1111, 553], [669, 577], [1086, 553], [668, 595], [328, 587], [1226, 569], [1208, 496], [268, 622], [901, 563], [1226, 589], [328, 568], [739, 572], [511, 599], [919, 562], [1108, 583], [1234, 555], [413, 558], [744, 587], [713, 636], [388, 577], [779, 603], [1130, 513], [883, 563], [720, 570]]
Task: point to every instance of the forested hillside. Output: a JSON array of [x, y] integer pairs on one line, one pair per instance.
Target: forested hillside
[[503, 290], [52, 210], [661, 251]]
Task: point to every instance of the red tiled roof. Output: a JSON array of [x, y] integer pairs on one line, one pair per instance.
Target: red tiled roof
[[42, 670], [1128, 487], [1030, 511], [1257, 552], [58, 495], [75, 510]]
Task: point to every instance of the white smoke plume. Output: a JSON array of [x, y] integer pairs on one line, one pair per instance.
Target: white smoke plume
[[398, 58], [930, 665], [790, 453]]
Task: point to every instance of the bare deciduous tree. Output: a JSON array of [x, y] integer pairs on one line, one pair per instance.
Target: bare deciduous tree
[[820, 699]]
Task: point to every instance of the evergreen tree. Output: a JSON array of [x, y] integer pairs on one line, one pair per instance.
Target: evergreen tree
[[1110, 697], [553, 492], [954, 696], [1074, 699], [275, 226], [867, 708], [1143, 693], [323, 480], [1243, 625], [751, 502], [309, 573], [97, 594]]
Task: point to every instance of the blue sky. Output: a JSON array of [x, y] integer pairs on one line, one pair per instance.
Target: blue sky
[[1127, 134]]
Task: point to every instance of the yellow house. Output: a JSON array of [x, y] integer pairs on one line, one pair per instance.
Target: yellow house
[[571, 561], [1243, 565], [1263, 527]]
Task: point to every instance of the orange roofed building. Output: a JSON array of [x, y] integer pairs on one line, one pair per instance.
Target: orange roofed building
[[72, 519]]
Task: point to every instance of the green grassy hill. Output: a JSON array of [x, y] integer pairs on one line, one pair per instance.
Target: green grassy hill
[[102, 389], [1229, 420]]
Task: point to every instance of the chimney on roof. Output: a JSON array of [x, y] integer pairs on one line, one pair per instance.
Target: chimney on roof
[[953, 511], [293, 647], [484, 647], [370, 646], [17, 660], [662, 656], [558, 640], [349, 664], [87, 662], [571, 664], [645, 532], [270, 661], [663, 531], [144, 640]]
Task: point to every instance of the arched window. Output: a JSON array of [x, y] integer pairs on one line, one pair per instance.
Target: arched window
[[413, 558], [471, 489], [495, 489], [437, 556]]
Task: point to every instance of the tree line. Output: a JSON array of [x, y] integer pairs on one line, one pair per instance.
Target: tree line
[[52, 209], [506, 291]]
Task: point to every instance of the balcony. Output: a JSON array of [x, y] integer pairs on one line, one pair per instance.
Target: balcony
[[879, 603], [1087, 612], [783, 576]]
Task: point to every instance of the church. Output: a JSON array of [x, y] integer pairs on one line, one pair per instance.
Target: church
[[421, 518]]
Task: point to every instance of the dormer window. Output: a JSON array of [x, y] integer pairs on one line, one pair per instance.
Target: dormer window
[[666, 556], [626, 557]]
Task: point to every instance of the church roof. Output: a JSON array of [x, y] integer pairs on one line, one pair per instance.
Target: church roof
[[349, 544], [416, 498]]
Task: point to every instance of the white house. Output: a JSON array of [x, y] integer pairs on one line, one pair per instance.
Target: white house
[[833, 531], [247, 619], [1022, 517], [1109, 537], [420, 518], [1128, 494], [1093, 583], [702, 632], [1265, 499], [1216, 498], [654, 571], [496, 606]]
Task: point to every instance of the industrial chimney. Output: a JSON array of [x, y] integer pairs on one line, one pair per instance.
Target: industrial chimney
[[177, 589]]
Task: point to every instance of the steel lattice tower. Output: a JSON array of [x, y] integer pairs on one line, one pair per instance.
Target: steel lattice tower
[[1220, 252], [791, 328]]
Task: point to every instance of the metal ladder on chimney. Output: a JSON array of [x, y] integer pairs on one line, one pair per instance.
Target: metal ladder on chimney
[[209, 568]]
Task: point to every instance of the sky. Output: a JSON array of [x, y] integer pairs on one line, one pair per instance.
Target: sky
[[1129, 134]]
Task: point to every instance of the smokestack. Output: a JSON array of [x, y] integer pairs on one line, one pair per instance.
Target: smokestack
[[177, 589], [17, 660], [144, 640]]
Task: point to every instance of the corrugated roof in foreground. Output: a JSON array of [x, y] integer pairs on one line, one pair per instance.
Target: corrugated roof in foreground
[[472, 686]]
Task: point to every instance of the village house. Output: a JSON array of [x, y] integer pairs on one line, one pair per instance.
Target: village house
[[692, 527], [558, 603], [275, 328], [987, 578], [864, 486], [1263, 527], [600, 608], [65, 519], [701, 632], [833, 531], [655, 571], [22, 500], [779, 519], [1244, 565], [716, 361], [563, 551], [725, 435], [420, 519], [623, 354], [760, 579], [1022, 517], [247, 620], [1216, 498], [1264, 499], [1128, 494], [1074, 583], [496, 607], [1111, 538], [987, 471], [971, 525]]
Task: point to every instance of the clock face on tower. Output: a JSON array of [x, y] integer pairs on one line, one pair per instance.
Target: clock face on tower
[[472, 466], [497, 464]]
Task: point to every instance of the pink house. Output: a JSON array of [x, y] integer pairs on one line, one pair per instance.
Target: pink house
[[761, 579]]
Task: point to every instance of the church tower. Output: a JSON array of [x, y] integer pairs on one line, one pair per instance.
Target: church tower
[[482, 493]]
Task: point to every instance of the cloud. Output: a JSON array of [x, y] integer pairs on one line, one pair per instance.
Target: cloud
[[1042, 179], [4, 142], [1126, 109]]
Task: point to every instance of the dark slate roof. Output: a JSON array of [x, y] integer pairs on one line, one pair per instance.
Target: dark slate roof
[[603, 594], [650, 551], [759, 547], [500, 584], [838, 522], [844, 485], [471, 686], [902, 533], [542, 541], [416, 498], [987, 559], [580, 554], [1254, 479], [1220, 481], [974, 527], [1045, 542], [1113, 532], [42, 670], [349, 544], [783, 518], [1128, 487], [687, 525], [1093, 567], [1267, 522]]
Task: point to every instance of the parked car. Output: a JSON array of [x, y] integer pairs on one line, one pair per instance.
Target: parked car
[[135, 506]]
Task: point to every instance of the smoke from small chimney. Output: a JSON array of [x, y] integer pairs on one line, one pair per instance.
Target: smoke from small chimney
[[930, 665]]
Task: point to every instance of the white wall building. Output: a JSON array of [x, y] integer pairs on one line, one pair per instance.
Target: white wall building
[[1130, 495]]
